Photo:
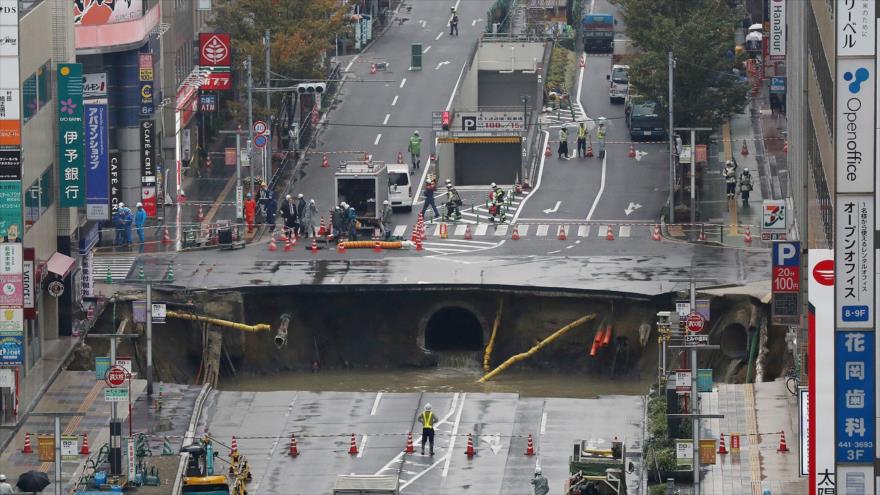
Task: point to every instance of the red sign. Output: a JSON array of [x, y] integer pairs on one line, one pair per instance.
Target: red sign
[[215, 49], [115, 376], [695, 323], [187, 103], [786, 279], [148, 198], [218, 81], [734, 443], [823, 272]]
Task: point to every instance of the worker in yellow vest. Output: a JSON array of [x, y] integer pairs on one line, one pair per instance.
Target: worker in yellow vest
[[600, 136], [582, 141], [426, 418]]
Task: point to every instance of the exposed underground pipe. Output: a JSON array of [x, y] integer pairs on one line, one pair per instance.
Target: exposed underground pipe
[[281, 336]]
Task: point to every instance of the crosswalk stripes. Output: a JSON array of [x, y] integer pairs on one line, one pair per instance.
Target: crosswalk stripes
[[399, 230], [455, 233], [583, 230], [459, 230], [119, 266], [542, 230], [625, 231], [501, 230], [481, 229]]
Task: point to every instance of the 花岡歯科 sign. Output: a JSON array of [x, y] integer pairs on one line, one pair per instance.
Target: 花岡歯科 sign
[[854, 397]]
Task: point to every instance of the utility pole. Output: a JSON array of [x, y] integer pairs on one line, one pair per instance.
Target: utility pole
[[670, 69], [239, 190], [693, 207], [267, 42], [149, 307], [250, 145], [695, 397]]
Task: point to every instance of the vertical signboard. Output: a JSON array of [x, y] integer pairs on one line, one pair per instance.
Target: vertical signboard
[[71, 183], [148, 166], [855, 125], [115, 180], [10, 211], [786, 280], [854, 261], [777, 30], [854, 397], [821, 382], [10, 91], [145, 78], [97, 156], [27, 284], [11, 279]]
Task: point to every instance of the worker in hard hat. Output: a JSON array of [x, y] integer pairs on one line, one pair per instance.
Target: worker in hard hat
[[4, 486], [426, 418], [415, 148], [140, 219], [539, 482], [250, 212], [385, 219], [600, 135]]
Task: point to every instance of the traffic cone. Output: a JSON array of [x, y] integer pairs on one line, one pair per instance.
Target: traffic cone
[[415, 232], [785, 147], [200, 216], [372, 68], [583, 61], [27, 444], [515, 235], [84, 450], [607, 338], [467, 233], [366, 157], [353, 449], [444, 233], [288, 247], [233, 449], [325, 162], [322, 229], [782, 446], [609, 233], [377, 248], [656, 234], [470, 452], [293, 451], [561, 236], [722, 447], [632, 151], [748, 237], [745, 149], [409, 444], [703, 237], [272, 245], [399, 157], [314, 246], [166, 237], [419, 246], [530, 447], [589, 151], [547, 151]]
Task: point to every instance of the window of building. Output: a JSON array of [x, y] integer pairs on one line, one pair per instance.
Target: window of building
[[44, 84], [817, 173], [38, 198], [36, 91]]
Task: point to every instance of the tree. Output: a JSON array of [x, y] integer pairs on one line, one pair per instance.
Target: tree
[[707, 89], [302, 32]]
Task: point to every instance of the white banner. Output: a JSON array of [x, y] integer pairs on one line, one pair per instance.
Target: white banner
[[777, 30], [854, 261], [821, 342], [855, 125], [855, 27]]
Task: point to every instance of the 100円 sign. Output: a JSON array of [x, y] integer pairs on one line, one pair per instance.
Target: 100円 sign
[[854, 261], [854, 397]]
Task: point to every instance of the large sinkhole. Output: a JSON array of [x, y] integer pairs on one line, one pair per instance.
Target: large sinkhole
[[453, 329], [734, 341]]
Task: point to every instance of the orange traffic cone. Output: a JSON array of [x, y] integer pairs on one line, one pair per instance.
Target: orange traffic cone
[[515, 235], [561, 236], [444, 232], [353, 449], [200, 215], [399, 157], [748, 237], [340, 248], [470, 452], [409, 444], [722, 447], [288, 247], [607, 338], [166, 237], [314, 246], [547, 151], [745, 149], [377, 248], [325, 162], [656, 234], [419, 246], [583, 61], [322, 229], [467, 233], [785, 147], [27, 444], [703, 237], [609, 233], [233, 449], [293, 450], [272, 245], [84, 450], [632, 151], [372, 68], [782, 446], [415, 233], [530, 447], [589, 151]]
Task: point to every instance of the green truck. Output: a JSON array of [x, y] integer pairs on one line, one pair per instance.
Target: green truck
[[596, 471]]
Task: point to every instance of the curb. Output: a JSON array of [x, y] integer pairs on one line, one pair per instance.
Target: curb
[[190, 433]]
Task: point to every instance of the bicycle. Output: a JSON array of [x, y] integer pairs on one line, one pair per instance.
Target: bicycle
[[792, 379]]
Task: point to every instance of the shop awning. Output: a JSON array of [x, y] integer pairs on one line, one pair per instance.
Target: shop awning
[[60, 264]]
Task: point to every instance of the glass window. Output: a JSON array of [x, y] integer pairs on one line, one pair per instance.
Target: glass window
[[47, 183], [29, 97], [44, 85], [32, 205]]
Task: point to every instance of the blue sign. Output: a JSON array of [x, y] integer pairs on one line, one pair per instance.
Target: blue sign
[[854, 397], [261, 141], [97, 161], [102, 364], [11, 350], [854, 313], [786, 253], [777, 85]]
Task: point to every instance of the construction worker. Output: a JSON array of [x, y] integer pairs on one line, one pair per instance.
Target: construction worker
[[582, 141], [430, 188], [562, 151], [427, 421], [250, 212], [452, 206], [271, 208], [352, 222], [453, 23], [385, 219], [140, 218], [730, 178], [415, 148], [600, 136], [337, 222], [539, 482], [745, 186], [127, 219], [4, 486]]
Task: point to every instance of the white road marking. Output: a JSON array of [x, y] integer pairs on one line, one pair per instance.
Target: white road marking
[[378, 137], [426, 49], [441, 64], [394, 102], [569, 247], [602, 231], [542, 230], [625, 231], [275, 444], [402, 83], [554, 252], [436, 231], [522, 230], [481, 229], [459, 230], [601, 188], [501, 230], [348, 67], [362, 447], [439, 35], [473, 23], [543, 422], [387, 116], [631, 208], [583, 230], [379, 394], [554, 209], [399, 230], [537, 183], [451, 448]]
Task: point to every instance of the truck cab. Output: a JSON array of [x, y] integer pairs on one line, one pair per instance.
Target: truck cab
[[598, 33], [618, 83], [399, 186]]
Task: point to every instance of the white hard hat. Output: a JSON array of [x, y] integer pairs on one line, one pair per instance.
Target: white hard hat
[[492, 185], [312, 201], [385, 202], [428, 406], [448, 182], [538, 470], [139, 205], [287, 196], [2, 477], [121, 204], [299, 196], [745, 169], [416, 132]]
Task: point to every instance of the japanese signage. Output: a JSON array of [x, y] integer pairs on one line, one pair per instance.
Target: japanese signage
[[11, 261], [115, 180], [145, 78], [855, 27], [777, 30], [786, 281], [11, 322], [97, 161], [207, 103], [148, 166], [69, 448], [95, 85], [855, 125], [774, 216], [71, 184], [10, 91], [10, 211], [854, 261], [488, 121], [158, 313], [821, 382], [88, 266], [854, 397], [215, 50], [777, 85], [11, 350], [100, 12], [10, 164], [684, 453], [217, 81], [102, 364], [116, 394], [28, 284], [10, 103], [683, 380]]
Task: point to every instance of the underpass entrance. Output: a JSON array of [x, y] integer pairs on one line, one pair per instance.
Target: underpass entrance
[[484, 163]]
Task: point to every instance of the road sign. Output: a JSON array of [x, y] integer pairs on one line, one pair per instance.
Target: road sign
[[683, 380], [158, 312], [69, 448], [102, 364], [125, 362], [115, 376], [261, 141], [695, 323], [696, 339], [116, 394], [260, 127], [786, 281]]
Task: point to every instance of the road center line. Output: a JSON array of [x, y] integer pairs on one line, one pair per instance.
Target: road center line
[[522, 205], [394, 102], [543, 422], [363, 446], [601, 188], [376, 404], [275, 445], [439, 36], [378, 137], [402, 83], [426, 49], [451, 448], [387, 116]]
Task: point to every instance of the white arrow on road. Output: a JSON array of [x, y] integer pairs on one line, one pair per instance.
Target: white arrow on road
[[494, 442], [631, 208], [441, 64], [475, 21], [556, 208]]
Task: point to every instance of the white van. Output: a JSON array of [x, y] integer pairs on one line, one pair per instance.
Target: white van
[[618, 83], [399, 186]]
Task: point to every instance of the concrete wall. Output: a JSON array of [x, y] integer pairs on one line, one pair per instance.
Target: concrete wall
[[496, 56]]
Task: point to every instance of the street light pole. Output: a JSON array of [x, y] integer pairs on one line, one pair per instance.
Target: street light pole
[[250, 92], [267, 42], [695, 398], [671, 67], [149, 307], [693, 207]]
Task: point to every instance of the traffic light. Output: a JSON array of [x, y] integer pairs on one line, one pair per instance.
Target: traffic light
[[445, 118], [311, 88]]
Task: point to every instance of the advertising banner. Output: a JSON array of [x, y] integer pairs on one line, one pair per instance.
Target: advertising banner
[[777, 30], [10, 164], [115, 180], [215, 50], [97, 158], [27, 285], [148, 166], [854, 264], [10, 91], [11, 350], [10, 211], [71, 184], [821, 382], [855, 27], [99, 12], [95, 85], [855, 125], [146, 77], [11, 322]]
